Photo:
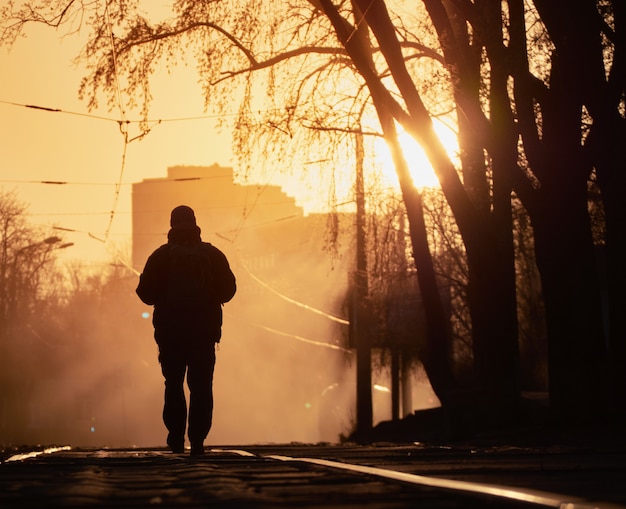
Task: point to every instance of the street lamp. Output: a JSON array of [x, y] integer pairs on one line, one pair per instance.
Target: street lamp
[[54, 240], [50, 240]]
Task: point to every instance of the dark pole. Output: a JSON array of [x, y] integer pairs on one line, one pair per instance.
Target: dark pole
[[363, 334], [395, 383]]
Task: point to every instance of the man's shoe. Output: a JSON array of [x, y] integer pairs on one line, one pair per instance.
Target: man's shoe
[[176, 446], [197, 449]]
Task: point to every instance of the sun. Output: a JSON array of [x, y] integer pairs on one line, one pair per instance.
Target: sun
[[419, 166]]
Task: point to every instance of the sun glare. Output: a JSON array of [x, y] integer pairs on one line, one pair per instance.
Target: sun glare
[[419, 166]]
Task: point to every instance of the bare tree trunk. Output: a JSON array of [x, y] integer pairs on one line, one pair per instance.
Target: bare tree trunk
[[558, 208], [434, 351], [612, 181], [576, 350], [607, 145]]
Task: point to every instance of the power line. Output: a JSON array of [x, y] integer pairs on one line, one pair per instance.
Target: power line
[[58, 110], [57, 182], [126, 120], [300, 338], [155, 180], [44, 214], [334, 318]]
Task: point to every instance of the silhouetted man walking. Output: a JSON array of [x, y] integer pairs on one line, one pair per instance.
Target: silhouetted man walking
[[187, 281]]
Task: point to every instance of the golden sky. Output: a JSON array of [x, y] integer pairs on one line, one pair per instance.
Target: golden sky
[[86, 152]]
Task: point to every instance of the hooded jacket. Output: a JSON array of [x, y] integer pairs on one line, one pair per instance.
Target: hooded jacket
[[200, 315]]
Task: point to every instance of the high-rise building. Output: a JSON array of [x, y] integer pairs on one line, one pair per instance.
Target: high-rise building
[[222, 207]]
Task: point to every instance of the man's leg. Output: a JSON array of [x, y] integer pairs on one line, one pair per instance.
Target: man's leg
[[174, 406], [200, 381]]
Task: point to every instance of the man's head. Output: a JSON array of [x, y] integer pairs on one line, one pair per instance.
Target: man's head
[[182, 218]]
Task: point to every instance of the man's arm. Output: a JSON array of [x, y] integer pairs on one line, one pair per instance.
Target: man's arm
[[224, 279], [153, 278]]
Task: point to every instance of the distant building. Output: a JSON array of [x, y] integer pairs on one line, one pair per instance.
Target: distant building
[[222, 207]]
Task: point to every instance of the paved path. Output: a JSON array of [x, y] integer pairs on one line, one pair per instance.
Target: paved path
[[264, 477]]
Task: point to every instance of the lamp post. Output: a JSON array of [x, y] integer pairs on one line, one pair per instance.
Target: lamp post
[[48, 240], [53, 240], [11, 298]]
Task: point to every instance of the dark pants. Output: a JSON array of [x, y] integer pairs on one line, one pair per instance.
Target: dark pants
[[196, 358]]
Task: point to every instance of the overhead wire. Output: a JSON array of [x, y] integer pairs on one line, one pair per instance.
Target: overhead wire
[[122, 123], [79, 183], [55, 182], [58, 110], [325, 314], [359, 21], [116, 254], [126, 120], [301, 338]]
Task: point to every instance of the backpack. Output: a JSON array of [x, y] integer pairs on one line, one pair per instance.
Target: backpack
[[190, 276]]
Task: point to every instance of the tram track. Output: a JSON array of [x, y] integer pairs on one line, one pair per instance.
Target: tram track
[[534, 498], [314, 476]]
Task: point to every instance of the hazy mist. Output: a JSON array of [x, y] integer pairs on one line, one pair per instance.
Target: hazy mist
[[283, 373]]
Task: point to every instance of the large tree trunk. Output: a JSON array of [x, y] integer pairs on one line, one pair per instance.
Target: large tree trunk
[[565, 254], [488, 237], [606, 141], [494, 326], [576, 350], [610, 164]]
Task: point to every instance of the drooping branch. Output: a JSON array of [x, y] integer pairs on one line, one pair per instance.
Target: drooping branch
[[169, 34], [282, 57], [29, 14]]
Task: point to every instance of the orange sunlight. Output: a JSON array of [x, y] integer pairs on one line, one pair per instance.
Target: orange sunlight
[[421, 170]]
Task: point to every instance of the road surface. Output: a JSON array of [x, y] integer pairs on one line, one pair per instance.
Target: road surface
[[316, 476]]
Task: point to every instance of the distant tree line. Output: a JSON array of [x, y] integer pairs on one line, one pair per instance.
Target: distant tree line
[[59, 327]]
